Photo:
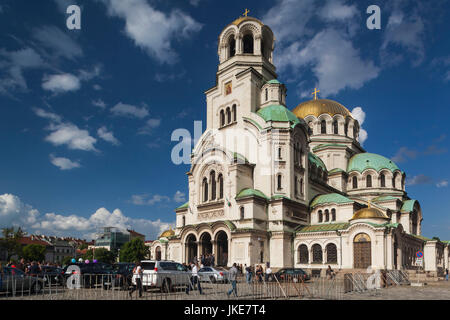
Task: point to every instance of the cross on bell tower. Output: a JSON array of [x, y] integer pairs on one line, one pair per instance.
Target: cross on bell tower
[[246, 12], [315, 93]]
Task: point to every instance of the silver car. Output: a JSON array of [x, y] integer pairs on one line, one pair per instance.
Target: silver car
[[16, 281], [213, 274]]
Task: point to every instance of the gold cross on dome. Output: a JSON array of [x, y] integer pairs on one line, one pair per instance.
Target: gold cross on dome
[[315, 93], [246, 12]]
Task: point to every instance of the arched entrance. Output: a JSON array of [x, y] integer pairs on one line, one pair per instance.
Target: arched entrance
[[191, 248], [222, 248], [362, 251], [206, 245], [158, 253]]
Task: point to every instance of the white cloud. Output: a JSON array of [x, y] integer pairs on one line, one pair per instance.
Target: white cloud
[[403, 154], [72, 136], [419, 179], [97, 87], [14, 65], [64, 163], [127, 110], [14, 212], [442, 183], [47, 115], [59, 42], [150, 124], [338, 11], [107, 135], [179, 197], [58, 83], [334, 61], [153, 30], [359, 114], [405, 31], [99, 103]]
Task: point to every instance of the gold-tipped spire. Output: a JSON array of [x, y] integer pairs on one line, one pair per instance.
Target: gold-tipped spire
[[246, 12]]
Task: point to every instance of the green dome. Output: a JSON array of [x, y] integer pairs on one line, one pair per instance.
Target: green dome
[[363, 161], [250, 193], [276, 112], [274, 81], [312, 158], [329, 198]]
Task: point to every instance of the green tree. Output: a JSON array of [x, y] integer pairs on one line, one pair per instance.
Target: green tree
[[10, 241], [101, 255], [34, 252], [134, 250], [83, 246]]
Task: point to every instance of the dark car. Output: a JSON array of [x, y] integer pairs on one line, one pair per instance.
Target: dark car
[[120, 277], [92, 274], [52, 275], [292, 274], [16, 281]]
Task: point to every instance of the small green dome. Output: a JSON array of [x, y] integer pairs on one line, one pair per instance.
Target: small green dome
[[362, 161], [316, 161], [276, 112], [274, 81], [329, 198]]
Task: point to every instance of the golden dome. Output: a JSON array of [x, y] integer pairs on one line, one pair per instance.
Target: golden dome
[[167, 233], [320, 106], [367, 213], [242, 19]]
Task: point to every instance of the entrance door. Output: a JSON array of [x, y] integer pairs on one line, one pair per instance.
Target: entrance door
[[222, 248], [362, 252]]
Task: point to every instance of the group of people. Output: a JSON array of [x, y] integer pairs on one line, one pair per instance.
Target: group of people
[[30, 267], [207, 260], [258, 272]]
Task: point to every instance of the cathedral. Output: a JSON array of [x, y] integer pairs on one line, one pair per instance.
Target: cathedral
[[293, 188]]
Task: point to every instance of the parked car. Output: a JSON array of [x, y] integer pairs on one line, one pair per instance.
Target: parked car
[[165, 275], [92, 274], [15, 280], [52, 275], [292, 274], [120, 277], [213, 274]]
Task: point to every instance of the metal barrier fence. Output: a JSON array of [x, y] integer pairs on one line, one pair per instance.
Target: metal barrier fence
[[166, 286], [373, 282]]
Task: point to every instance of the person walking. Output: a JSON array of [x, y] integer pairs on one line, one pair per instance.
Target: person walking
[[248, 274], [446, 274], [232, 273], [330, 273], [137, 274], [268, 273], [195, 280]]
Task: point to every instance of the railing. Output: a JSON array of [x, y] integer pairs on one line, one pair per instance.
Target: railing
[[167, 286]]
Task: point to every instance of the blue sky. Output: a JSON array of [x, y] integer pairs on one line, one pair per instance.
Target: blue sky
[[87, 115]]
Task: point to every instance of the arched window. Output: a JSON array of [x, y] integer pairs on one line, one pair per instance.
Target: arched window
[[331, 253], [220, 179], [279, 153], [184, 221], [267, 94], [301, 158], [317, 253], [382, 180], [234, 112], [393, 180], [301, 186], [303, 254], [323, 126], [212, 179], [369, 181], [327, 215], [335, 127], [346, 129], [333, 214], [355, 182], [222, 118], [296, 186], [232, 46], [228, 115], [205, 189], [279, 182], [242, 213], [355, 132], [320, 216], [248, 43]]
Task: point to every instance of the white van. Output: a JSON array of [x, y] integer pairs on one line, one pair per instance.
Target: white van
[[162, 274]]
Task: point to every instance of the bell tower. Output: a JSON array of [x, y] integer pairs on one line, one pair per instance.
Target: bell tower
[[245, 50]]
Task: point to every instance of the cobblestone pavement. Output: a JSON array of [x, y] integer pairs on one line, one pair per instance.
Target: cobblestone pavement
[[432, 291]]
